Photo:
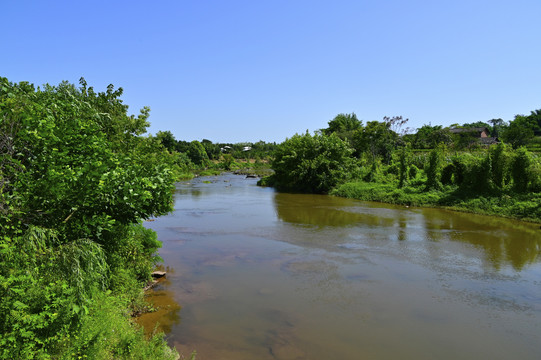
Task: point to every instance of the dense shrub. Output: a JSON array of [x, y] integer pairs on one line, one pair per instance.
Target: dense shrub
[[435, 167], [501, 163], [520, 170], [76, 178], [499, 181], [313, 164]]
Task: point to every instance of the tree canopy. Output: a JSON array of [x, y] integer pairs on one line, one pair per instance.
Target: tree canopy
[[520, 131], [313, 164]]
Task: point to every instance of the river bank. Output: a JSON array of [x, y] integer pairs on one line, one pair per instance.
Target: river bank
[[525, 206]]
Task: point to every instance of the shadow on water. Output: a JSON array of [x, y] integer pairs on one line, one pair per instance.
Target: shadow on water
[[503, 241], [166, 311]]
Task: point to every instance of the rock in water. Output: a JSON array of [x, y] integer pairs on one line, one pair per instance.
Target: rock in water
[[158, 274]]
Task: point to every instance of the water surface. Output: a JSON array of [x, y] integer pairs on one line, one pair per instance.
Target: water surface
[[255, 274]]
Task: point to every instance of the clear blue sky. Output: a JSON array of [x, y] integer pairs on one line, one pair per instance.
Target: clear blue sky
[[233, 71]]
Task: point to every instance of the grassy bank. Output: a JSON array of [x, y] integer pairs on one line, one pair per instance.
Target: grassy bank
[[510, 204]]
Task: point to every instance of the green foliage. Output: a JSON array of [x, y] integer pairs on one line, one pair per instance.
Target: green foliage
[[181, 165], [466, 140], [478, 124], [387, 193], [501, 162], [498, 181], [212, 150], [343, 123], [83, 169], [497, 126], [428, 137], [535, 175], [478, 176], [435, 167], [373, 172], [344, 126], [76, 178], [377, 139], [520, 170], [520, 131], [167, 139], [491, 180], [413, 171], [46, 288], [313, 164], [197, 154], [109, 334], [447, 174], [228, 161], [536, 117], [405, 159], [132, 255]]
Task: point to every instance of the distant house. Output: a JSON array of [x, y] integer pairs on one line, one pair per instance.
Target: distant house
[[481, 134]]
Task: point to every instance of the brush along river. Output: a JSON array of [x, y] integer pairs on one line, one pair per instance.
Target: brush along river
[[256, 274]]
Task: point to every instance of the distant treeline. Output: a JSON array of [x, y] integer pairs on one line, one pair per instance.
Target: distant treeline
[[243, 150], [377, 138], [207, 157], [380, 138]]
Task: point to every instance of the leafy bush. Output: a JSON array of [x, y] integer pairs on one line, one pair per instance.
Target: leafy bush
[[520, 169], [197, 154], [501, 164], [76, 178], [313, 164], [435, 166]]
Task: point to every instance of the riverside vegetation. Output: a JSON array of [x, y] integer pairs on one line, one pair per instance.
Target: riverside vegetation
[[376, 163], [76, 179]]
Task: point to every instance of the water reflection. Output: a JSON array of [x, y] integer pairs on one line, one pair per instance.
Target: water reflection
[[262, 275], [193, 192], [322, 210], [503, 242]]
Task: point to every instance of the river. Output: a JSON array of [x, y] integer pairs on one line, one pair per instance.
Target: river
[[256, 274]]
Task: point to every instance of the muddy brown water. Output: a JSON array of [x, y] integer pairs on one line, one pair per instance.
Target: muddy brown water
[[256, 274]]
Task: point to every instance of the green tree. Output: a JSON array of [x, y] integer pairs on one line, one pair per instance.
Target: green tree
[[536, 117], [79, 172], [520, 169], [344, 126], [478, 175], [520, 131], [377, 139], [501, 164], [435, 167], [312, 164], [428, 137], [167, 139], [497, 126], [212, 150], [197, 154], [404, 163], [182, 146], [477, 124]]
